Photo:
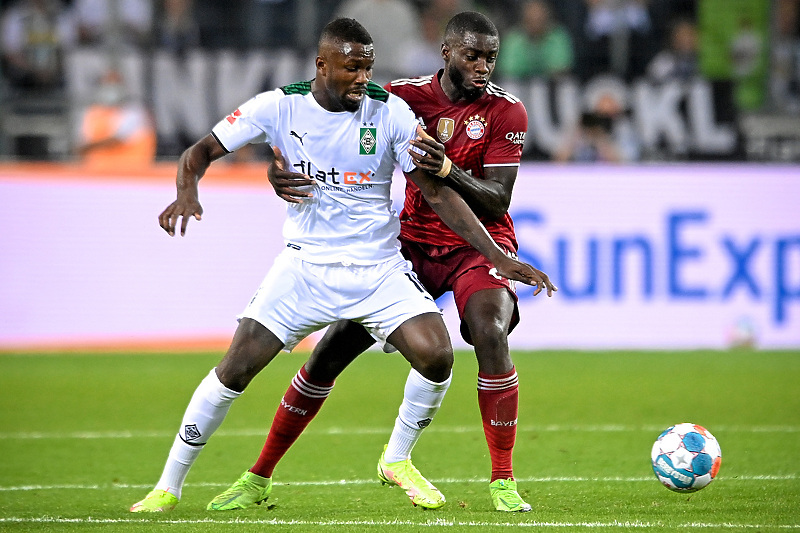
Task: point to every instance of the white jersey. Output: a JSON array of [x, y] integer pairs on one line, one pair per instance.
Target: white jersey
[[350, 154]]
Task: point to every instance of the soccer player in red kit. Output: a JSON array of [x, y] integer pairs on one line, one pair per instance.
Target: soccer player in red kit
[[477, 131]]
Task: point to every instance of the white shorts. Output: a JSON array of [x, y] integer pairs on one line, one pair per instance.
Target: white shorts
[[298, 298]]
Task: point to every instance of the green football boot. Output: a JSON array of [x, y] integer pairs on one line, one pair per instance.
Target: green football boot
[[506, 498], [404, 475], [157, 501], [249, 490]]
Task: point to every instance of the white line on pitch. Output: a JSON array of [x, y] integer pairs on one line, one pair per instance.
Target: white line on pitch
[[252, 432], [550, 479], [383, 523]]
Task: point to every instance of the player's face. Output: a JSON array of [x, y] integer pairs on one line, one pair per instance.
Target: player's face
[[469, 62], [343, 70]]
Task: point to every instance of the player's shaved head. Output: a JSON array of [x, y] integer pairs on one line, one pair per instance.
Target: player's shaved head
[[466, 22], [344, 65], [344, 30], [471, 44]]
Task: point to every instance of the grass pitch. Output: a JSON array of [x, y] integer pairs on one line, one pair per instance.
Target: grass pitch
[[83, 436]]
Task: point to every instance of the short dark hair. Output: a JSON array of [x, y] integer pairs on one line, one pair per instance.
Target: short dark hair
[[469, 21], [345, 30]]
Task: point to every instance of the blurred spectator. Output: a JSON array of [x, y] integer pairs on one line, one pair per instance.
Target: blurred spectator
[[604, 134], [664, 14], [176, 28], [785, 75], [617, 38], [536, 48], [505, 13], [114, 23], [589, 142], [746, 48], [441, 11], [393, 26], [116, 132], [293, 24], [271, 23], [609, 104], [735, 37], [748, 51], [680, 59], [35, 36], [425, 55]]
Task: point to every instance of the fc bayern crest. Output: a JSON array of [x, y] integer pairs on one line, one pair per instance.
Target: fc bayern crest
[[476, 126]]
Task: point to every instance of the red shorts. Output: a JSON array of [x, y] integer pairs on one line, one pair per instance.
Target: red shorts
[[461, 269]]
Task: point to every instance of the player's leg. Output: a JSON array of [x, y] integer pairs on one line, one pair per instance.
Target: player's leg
[[310, 387], [399, 313], [275, 318], [424, 342], [252, 348], [487, 315], [341, 344]]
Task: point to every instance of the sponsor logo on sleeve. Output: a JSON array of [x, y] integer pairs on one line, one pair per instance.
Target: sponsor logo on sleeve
[[516, 137], [233, 116]]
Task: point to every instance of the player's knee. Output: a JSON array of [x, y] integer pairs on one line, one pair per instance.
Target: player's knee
[[491, 335], [437, 365], [324, 370], [236, 373], [492, 341], [253, 347]]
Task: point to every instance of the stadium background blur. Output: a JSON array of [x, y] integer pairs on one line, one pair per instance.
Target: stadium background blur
[[190, 61], [683, 234]]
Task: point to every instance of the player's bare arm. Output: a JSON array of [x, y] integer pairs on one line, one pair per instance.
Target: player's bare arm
[[285, 181], [489, 197], [193, 163], [455, 212]]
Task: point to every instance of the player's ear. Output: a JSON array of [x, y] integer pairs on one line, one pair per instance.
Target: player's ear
[[445, 52], [321, 64]]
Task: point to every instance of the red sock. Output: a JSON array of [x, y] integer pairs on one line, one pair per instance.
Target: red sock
[[300, 404], [498, 399]]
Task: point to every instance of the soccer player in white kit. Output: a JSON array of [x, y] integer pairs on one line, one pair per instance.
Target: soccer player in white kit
[[342, 257]]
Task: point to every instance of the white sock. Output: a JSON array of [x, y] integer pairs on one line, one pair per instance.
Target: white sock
[[206, 411], [421, 401]]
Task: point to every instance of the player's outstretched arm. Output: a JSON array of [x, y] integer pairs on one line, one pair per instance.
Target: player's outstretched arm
[[455, 212], [432, 166], [193, 163], [284, 181]]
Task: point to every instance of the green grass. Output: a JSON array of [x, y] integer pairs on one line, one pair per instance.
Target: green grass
[[83, 436]]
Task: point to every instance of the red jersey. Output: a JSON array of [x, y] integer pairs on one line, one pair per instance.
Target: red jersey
[[487, 132]]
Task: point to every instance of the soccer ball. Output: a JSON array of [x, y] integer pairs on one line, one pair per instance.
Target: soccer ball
[[686, 457]]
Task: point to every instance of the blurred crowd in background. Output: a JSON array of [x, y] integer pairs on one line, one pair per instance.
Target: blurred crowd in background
[[127, 82]]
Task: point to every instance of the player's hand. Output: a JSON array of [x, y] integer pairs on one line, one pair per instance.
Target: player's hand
[[285, 181], [185, 207], [433, 155], [512, 269]]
